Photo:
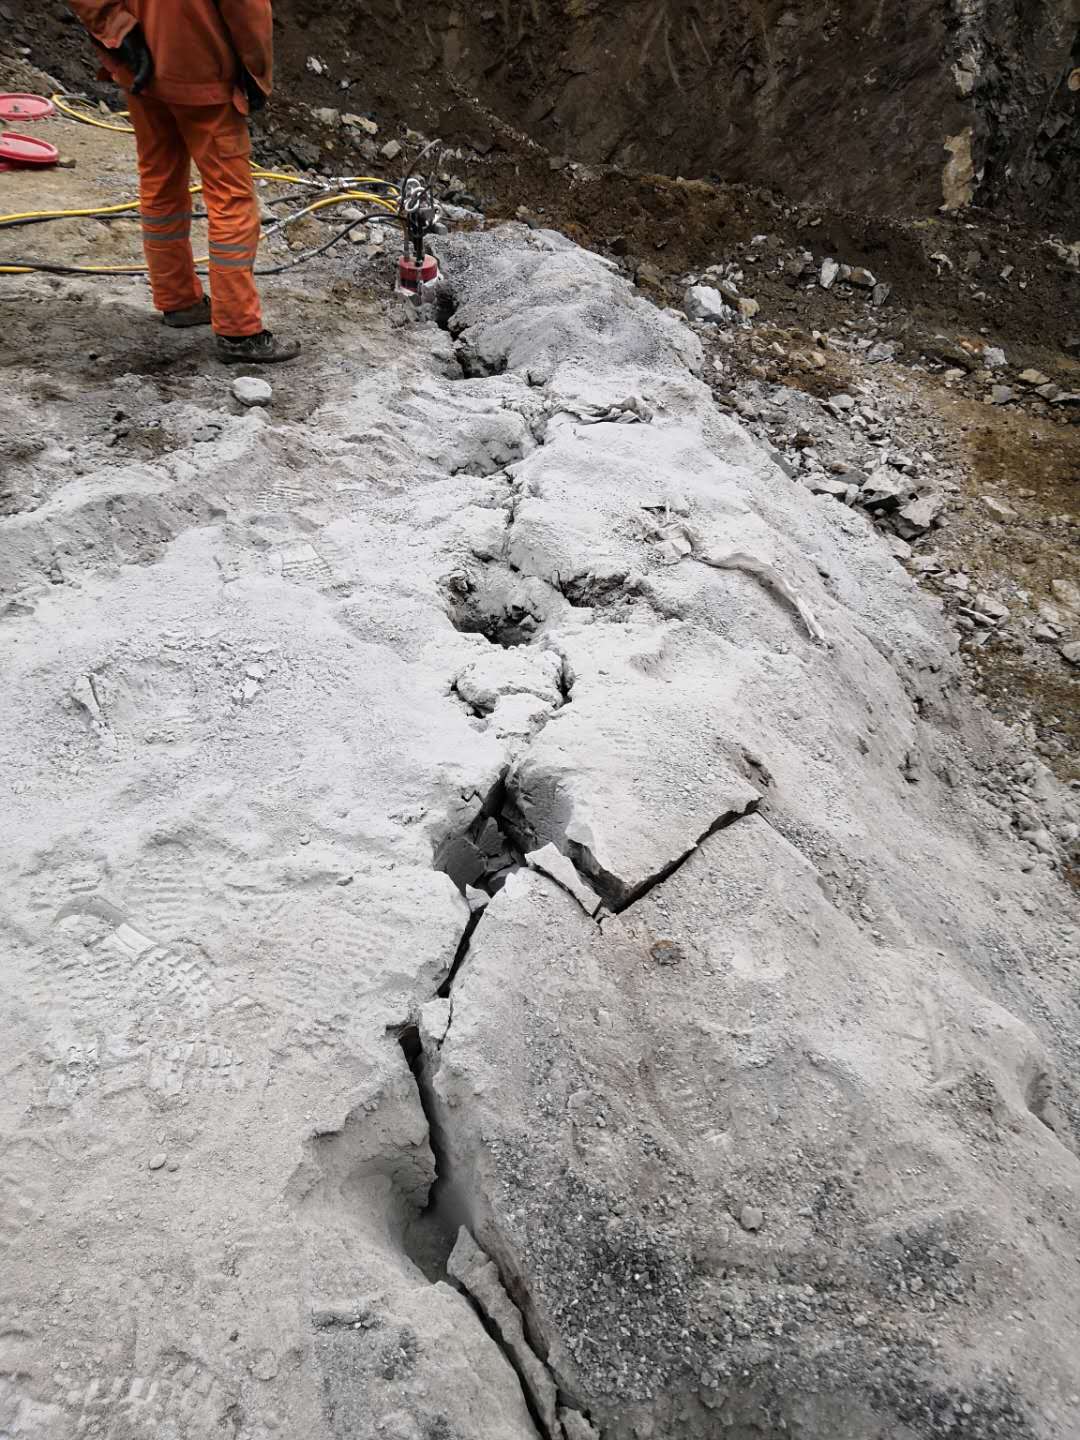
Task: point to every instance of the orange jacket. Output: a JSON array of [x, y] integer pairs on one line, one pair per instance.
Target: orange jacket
[[197, 45]]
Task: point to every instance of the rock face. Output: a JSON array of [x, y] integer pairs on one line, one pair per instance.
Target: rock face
[[754, 1153], [765, 1127]]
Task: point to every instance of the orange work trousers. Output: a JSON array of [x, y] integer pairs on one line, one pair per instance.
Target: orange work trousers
[[216, 137]]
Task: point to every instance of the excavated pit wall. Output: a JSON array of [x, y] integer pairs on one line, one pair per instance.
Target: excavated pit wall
[[780, 1141], [882, 109]]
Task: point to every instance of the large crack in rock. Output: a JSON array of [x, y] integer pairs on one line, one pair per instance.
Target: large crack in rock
[[774, 1270], [781, 1147]]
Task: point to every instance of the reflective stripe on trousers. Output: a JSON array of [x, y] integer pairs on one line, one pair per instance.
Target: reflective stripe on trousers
[[169, 137]]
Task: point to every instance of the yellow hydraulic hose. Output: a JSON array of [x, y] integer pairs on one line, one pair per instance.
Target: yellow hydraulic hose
[[61, 103], [387, 201]]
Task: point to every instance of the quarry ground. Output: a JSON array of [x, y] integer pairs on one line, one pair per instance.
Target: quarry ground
[[754, 1087]]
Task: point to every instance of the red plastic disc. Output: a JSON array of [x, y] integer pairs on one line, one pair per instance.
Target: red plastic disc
[[23, 150], [25, 107]]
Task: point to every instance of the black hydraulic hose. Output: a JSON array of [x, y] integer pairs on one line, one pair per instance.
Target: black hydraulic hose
[[49, 269]]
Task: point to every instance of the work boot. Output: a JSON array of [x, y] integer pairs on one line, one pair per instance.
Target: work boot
[[261, 349], [197, 314]]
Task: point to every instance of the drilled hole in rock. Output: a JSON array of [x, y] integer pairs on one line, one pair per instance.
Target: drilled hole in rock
[[475, 366], [493, 607], [429, 1238], [445, 307], [1039, 1097], [593, 592]]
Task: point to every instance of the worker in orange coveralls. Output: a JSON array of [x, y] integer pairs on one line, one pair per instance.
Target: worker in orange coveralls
[[193, 70]]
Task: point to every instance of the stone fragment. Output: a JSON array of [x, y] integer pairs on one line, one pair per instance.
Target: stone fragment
[[919, 515], [751, 1218], [250, 390], [434, 1022], [841, 405], [518, 670], [993, 357], [390, 151], [882, 291], [327, 115], [885, 489], [157, 1162], [703, 302], [865, 279], [576, 1427], [998, 509], [1001, 394], [821, 484], [828, 273], [1066, 593], [550, 861], [748, 308], [1033, 378], [1071, 652], [991, 606], [361, 122]]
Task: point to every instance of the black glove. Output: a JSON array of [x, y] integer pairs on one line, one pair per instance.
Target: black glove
[[256, 97], [135, 54]]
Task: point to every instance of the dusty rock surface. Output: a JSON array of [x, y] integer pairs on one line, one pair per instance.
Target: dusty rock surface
[[780, 1141]]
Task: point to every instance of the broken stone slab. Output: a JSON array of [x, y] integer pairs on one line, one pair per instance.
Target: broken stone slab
[[566, 1216], [998, 508], [951, 352], [576, 1427], [990, 606], [705, 303], [827, 276], [884, 489], [841, 405], [516, 718], [920, 515], [478, 1276], [434, 1022], [1066, 593], [550, 861], [820, 484], [959, 581], [361, 122], [520, 670], [1033, 378]]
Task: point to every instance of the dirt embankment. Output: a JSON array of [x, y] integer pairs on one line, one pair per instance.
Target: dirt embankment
[[848, 103], [886, 108]]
